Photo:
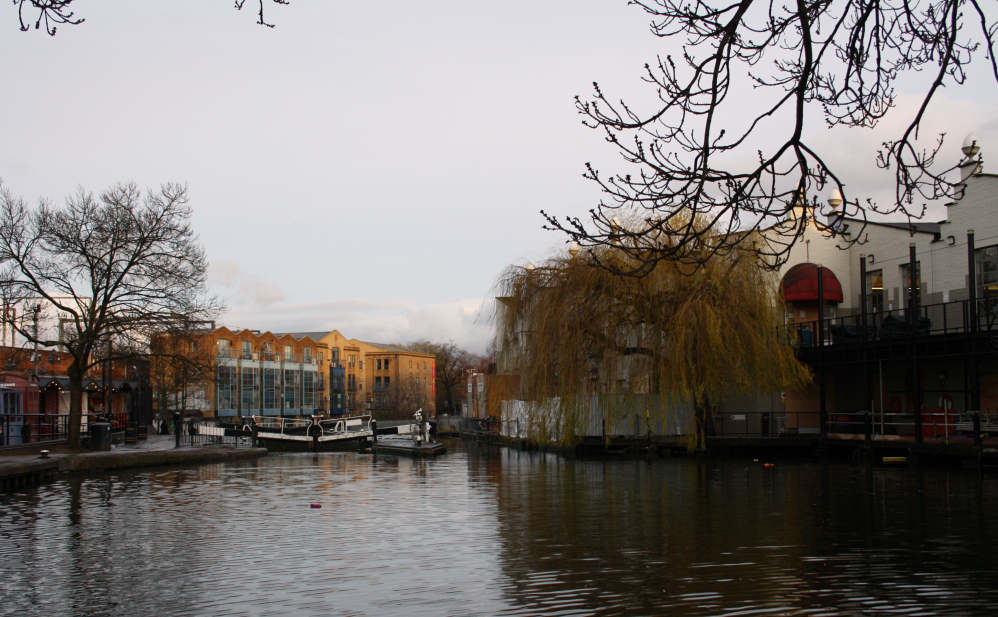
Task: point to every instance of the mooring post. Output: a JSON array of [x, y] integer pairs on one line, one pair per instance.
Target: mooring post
[[178, 426]]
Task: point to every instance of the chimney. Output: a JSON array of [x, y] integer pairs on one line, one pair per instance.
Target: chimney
[[971, 164]]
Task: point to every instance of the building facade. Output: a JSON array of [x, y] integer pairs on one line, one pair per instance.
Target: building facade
[[899, 322]]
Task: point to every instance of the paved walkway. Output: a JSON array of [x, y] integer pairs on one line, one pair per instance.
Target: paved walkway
[[155, 450]]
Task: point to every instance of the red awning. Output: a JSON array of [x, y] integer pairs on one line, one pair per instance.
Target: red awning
[[801, 283]]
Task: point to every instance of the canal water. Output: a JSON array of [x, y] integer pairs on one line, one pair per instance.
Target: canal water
[[492, 531]]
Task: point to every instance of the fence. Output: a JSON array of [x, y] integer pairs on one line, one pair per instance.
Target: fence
[[200, 432], [938, 425], [944, 318]]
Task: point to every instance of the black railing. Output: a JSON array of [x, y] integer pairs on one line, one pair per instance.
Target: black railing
[[898, 324], [200, 432]]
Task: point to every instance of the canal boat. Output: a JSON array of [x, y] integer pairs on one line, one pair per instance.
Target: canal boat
[[413, 439], [297, 434]]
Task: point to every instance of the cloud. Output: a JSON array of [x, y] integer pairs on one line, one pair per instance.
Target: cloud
[[375, 321], [244, 288]]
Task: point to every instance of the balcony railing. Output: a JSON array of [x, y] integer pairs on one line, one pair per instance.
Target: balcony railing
[[382, 387], [269, 356], [932, 319]]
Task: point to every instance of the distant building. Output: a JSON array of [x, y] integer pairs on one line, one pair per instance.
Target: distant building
[[309, 373]]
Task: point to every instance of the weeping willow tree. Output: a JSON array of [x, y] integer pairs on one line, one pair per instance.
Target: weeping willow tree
[[574, 331]]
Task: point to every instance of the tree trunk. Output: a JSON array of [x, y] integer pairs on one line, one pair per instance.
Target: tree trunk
[[704, 423], [75, 375]]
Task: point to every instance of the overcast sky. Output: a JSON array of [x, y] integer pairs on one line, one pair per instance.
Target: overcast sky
[[365, 166]]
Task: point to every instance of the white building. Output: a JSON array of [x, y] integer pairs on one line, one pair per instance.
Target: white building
[[892, 361]]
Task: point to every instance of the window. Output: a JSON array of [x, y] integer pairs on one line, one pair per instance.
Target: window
[[292, 389], [362, 365], [270, 388], [377, 364], [320, 357], [288, 353], [250, 389], [307, 355], [308, 389], [247, 350], [377, 384], [410, 363], [987, 272], [334, 356], [194, 346], [223, 346], [906, 283], [875, 291], [388, 381], [386, 364], [226, 388]]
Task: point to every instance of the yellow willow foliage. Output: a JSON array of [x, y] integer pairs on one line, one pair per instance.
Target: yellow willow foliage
[[575, 332]]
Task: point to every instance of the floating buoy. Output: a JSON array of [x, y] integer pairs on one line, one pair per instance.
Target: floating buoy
[[769, 464], [315, 505]]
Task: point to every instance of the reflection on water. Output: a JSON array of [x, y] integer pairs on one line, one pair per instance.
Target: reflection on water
[[489, 531]]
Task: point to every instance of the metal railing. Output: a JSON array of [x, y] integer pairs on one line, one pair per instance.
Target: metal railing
[[193, 434], [931, 319], [269, 356], [766, 424], [938, 425]]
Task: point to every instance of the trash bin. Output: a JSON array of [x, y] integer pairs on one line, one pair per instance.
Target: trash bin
[[100, 436]]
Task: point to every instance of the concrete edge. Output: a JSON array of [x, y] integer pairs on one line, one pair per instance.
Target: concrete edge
[[104, 461]]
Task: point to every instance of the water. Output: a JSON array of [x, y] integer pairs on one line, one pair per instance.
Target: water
[[489, 531]]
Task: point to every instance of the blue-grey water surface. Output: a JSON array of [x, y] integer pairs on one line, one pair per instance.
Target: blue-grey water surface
[[490, 531]]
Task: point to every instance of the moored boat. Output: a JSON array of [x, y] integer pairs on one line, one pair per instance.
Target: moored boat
[[298, 434]]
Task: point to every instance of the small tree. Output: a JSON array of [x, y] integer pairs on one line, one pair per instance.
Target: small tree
[[572, 329], [180, 361], [116, 268], [452, 365], [405, 396]]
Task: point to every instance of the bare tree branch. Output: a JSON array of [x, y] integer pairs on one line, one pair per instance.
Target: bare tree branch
[[696, 160]]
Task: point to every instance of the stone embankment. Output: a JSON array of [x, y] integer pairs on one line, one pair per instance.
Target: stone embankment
[[22, 469]]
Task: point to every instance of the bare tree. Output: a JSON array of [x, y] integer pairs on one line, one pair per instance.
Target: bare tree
[[404, 397], [452, 366], [696, 158], [53, 13], [116, 269], [180, 361]]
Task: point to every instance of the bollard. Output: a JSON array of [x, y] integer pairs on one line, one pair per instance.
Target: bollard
[[44, 454], [177, 428], [255, 431], [374, 430]]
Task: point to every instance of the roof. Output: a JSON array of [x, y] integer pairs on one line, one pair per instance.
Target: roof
[[925, 228], [315, 336], [389, 347]]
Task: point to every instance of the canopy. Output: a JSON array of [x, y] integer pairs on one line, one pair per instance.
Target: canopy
[[801, 283]]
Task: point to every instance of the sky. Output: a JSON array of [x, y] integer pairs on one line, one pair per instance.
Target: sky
[[368, 167]]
